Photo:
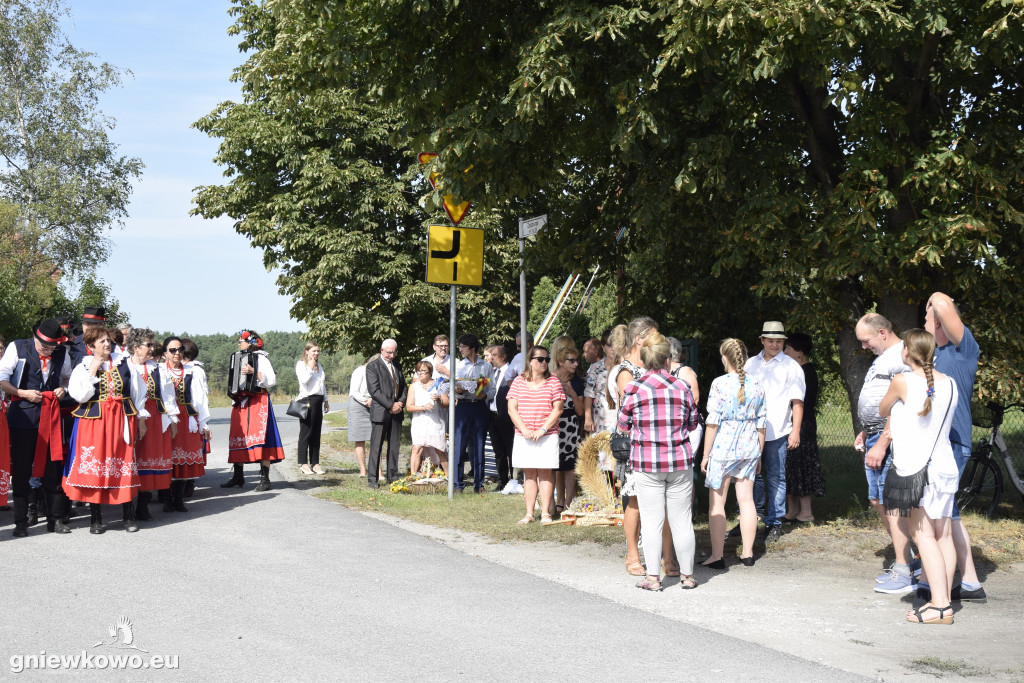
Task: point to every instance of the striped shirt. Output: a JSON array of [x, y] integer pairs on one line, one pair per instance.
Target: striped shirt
[[658, 412], [535, 405]]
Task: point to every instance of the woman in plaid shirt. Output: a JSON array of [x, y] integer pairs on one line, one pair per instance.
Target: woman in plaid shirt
[[658, 411]]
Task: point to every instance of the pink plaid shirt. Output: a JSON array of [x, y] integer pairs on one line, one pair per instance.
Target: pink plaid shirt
[[658, 411]]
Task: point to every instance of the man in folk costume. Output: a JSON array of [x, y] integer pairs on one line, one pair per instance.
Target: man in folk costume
[[92, 316], [100, 467], [34, 374], [254, 436]]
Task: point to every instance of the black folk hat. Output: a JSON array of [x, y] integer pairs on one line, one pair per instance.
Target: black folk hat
[[49, 332], [94, 314]]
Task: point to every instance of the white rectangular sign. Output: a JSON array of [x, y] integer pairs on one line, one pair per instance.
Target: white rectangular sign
[[531, 226]]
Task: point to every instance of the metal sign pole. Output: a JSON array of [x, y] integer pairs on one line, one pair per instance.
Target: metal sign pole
[[522, 293], [452, 346]]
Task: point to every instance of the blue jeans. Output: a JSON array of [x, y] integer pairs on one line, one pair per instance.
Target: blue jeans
[[471, 419], [770, 485], [876, 478], [961, 454]]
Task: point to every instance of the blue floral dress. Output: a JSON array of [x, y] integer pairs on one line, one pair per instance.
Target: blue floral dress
[[736, 448]]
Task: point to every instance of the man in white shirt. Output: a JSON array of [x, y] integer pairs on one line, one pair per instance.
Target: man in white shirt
[[875, 333], [471, 409], [439, 359], [783, 381], [500, 426], [517, 360]]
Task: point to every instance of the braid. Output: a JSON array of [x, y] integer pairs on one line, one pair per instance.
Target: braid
[[927, 408], [741, 396], [736, 352]]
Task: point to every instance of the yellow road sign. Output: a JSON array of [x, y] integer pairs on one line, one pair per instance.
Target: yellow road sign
[[455, 256]]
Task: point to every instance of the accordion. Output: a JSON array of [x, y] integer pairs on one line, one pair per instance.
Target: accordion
[[239, 383]]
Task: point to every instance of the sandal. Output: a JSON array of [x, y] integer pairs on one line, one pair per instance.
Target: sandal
[[688, 583], [941, 619], [545, 519], [634, 568], [525, 520], [305, 469], [648, 585], [318, 470], [670, 569]]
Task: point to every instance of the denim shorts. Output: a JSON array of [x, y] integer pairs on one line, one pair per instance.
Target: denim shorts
[[961, 454], [876, 478]]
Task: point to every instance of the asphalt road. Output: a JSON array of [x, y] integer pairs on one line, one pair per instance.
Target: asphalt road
[[282, 585]]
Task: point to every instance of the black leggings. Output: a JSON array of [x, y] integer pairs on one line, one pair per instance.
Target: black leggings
[[309, 431]]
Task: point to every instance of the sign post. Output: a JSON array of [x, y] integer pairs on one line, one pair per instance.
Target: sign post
[[527, 228], [455, 256]]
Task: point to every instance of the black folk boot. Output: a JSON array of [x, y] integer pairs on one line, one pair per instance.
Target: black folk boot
[[20, 517], [96, 519], [264, 484], [142, 506], [128, 514], [57, 505], [164, 496], [178, 496], [33, 506], [236, 478]]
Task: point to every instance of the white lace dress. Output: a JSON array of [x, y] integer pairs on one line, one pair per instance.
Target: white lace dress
[[428, 427]]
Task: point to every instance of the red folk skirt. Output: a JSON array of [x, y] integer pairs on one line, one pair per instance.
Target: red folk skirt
[[5, 457], [187, 455], [101, 467], [254, 436], [153, 453]]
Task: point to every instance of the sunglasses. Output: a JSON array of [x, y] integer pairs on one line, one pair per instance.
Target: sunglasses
[[572, 360], [176, 349], [541, 359]]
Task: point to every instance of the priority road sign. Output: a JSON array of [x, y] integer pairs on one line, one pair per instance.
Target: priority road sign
[[455, 256]]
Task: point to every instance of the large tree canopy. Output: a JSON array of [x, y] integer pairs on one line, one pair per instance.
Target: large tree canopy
[[323, 181], [793, 159]]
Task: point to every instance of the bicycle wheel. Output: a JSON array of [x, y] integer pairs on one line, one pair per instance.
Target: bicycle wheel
[[981, 486]]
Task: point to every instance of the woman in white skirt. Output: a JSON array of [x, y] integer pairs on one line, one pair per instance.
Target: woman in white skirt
[[920, 406], [534, 404], [428, 428]]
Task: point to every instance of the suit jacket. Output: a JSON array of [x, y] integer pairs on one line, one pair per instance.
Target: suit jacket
[[382, 389]]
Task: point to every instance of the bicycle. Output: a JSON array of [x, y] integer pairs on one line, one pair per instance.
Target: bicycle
[[981, 486]]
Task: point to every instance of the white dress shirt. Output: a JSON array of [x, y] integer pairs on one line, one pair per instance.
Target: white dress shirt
[[783, 381], [311, 382]]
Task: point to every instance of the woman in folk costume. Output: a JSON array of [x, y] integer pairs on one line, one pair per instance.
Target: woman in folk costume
[[254, 436], [152, 450], [187, 455], [191, 351], [100, 466]]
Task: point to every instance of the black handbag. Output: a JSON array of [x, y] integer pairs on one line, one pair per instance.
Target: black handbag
[[621, 446], [299, 407], [904, 493]]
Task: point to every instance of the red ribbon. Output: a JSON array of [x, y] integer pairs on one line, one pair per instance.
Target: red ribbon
[[50, 436], [44, 361]]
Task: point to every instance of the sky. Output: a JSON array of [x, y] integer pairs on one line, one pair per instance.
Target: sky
[[169, 270]]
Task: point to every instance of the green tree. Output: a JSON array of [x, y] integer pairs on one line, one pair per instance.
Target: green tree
[[57, 162], [323, 181], [806, 161]]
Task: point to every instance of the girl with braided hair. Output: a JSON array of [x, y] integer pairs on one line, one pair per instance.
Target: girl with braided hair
[[920, 406], [733, 441]]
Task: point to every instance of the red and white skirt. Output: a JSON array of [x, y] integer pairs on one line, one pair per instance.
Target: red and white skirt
[[254, 436], [153, 453], [101, 467], [187, 457]]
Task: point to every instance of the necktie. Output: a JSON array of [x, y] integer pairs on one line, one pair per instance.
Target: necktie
[[43, 361]]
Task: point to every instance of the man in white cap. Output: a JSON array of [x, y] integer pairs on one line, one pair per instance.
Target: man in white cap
[[784, 387]]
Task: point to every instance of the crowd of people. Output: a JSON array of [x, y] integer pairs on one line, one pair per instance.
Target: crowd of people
[[112, 416], [758, 438]]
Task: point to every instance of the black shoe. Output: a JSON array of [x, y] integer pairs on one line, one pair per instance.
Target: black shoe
[[177, 497], [264, 484], [190, 488], [57, 526], [977, 595], [734, 532], [33, 511], [747, 561], [128, 514], [142, 506], [717, 564], [774, 534], [236, 477], [20, 517], [96, 519]]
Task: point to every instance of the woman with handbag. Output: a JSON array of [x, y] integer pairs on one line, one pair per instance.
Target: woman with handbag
[[312, 401], [733, 442], [922, 479]]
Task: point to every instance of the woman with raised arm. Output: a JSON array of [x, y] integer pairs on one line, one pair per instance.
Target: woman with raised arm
[[923, 477], [152, 449], [312, 390], [733, 441], [100, 468], [254, 436], [187, 455]]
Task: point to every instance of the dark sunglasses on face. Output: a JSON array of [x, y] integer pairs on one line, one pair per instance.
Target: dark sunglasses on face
[[572, 360], [541, 359], [176, 349]]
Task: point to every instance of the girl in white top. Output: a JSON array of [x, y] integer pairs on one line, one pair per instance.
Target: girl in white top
[[312, 390], [920, 406]]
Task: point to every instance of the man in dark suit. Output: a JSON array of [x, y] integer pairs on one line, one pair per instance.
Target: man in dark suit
[[500, 426], [387, 389]]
